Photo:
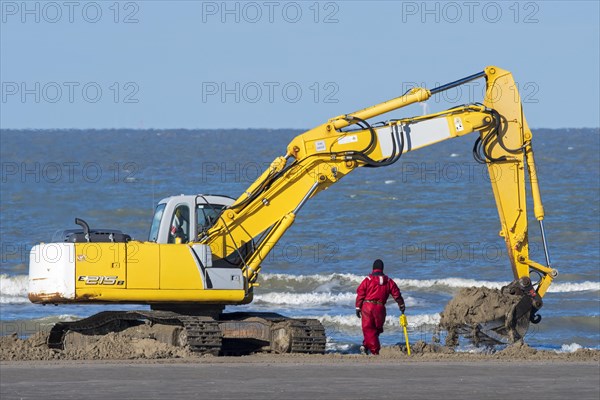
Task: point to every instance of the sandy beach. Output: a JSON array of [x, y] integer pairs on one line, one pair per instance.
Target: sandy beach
[[118, 366], [300, 377]]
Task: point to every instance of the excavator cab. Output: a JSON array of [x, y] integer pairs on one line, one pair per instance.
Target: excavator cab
[[185, 218]]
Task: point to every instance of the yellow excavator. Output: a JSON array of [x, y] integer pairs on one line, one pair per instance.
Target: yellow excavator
[[205, 251]]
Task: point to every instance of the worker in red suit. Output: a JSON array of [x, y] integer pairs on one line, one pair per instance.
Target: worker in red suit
[[371, 297]]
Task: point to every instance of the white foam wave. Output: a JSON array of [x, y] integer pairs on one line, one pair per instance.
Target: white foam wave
[[266, 277], [337, 347], [13, 289], [13, 285], [356, 279], [569, 348], [49, 320], [61, 317], [414, 321], [574, 287], [448, 282], [316, 299], [558, 287], [310, 299], [14, 300]]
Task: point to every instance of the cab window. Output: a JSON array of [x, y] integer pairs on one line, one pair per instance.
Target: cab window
[[207, 215], [160, 209], [179, 231]]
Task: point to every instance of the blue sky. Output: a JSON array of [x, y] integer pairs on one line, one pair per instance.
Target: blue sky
[[281, 64]]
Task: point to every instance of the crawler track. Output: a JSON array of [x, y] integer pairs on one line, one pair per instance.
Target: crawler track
[[231, 334]]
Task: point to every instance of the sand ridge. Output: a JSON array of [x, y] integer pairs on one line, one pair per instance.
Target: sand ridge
[[140, 343], [470, 308]]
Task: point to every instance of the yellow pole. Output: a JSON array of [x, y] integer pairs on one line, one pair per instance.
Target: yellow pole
[[404, 324]]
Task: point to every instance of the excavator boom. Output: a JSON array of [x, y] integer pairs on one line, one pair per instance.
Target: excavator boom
[[320, 157]]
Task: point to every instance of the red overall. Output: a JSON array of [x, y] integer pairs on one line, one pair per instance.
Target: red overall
[[371, 297]]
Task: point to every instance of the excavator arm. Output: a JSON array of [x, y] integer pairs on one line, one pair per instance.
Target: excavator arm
[[247, 230]]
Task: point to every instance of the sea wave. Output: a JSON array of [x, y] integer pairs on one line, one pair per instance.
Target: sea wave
[[569, 348], [43, 321], [335, 347], [302, 299], [315, 299], [15, 285], [317, 280], [13, 289], [350, 321], [315, 288]]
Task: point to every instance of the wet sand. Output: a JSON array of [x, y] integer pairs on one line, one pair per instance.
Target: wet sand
[[131, 365], [291, 377]]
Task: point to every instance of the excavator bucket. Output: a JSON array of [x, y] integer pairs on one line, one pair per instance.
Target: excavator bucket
[[489, 316], [508, 329]]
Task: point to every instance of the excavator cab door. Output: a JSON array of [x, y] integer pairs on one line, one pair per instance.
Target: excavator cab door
[[179, 230]]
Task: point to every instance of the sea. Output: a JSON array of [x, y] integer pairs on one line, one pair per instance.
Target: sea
[[430, 217]]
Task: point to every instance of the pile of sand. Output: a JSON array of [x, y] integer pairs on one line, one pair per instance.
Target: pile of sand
[[132, 343], [477, 307], [520, 350], [33, 348], [418, 348]]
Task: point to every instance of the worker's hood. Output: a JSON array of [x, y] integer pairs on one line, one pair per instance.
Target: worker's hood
[[379, 276]]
